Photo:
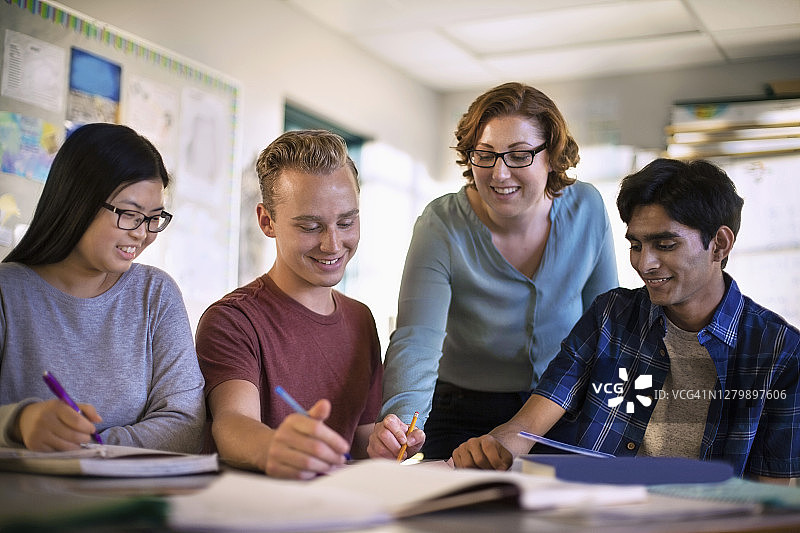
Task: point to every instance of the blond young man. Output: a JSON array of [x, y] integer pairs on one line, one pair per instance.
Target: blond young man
[[290, 328]]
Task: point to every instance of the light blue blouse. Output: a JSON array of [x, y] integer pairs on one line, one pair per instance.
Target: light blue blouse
[[468, 317]]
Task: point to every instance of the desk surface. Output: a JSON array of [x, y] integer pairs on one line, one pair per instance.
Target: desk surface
[[48, 496]]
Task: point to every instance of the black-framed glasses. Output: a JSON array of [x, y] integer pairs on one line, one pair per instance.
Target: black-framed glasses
[[128, 219], [512, 158]]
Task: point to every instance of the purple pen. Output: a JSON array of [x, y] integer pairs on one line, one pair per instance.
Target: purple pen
[[62, 395]]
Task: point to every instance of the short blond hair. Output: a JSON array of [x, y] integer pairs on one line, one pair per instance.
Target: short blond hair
[[318, 152]]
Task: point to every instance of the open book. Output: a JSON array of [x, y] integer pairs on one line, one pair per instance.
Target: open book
[[373, 492], [107, 460]]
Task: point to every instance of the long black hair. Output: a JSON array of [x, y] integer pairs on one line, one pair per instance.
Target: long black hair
[[94, 161]]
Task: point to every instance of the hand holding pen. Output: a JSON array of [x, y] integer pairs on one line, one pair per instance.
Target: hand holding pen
[[55, 425], [394, 439], [303, 446], [401, 455], [62, 395]]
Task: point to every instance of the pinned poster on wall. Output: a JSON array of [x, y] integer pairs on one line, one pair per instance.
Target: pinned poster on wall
[[29, 145], [94, 89], [62, 69], [33, 71]]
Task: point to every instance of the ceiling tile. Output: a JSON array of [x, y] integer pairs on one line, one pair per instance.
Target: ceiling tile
[[367, 16], [414, 47], [647, 55], [719, 15], [573, 26], [456, 77], [429, 58], [452, 45], [758, 42]]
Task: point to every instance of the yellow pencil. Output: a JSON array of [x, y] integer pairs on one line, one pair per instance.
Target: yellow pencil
[[410, 429]]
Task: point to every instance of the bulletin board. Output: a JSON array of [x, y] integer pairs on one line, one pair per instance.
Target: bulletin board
[[61, 69]]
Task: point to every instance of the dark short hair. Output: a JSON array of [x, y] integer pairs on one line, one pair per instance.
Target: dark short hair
[[517, 99], [697, 194], [317, 152], [95, 161]]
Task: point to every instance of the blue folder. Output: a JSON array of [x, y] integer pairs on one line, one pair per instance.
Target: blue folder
[[633, 470]]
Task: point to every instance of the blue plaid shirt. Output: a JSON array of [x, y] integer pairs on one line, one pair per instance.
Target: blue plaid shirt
[[753, 419]]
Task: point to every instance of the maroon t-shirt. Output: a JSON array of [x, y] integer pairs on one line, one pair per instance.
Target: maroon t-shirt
[[259, 334]]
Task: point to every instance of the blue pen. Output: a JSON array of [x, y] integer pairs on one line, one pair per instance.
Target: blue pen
[[62, 395], [286, 397]]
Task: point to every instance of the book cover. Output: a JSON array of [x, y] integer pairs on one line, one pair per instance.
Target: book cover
[[625, 470]]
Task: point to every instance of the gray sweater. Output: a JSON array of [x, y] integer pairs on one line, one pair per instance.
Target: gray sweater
[[129, 352]]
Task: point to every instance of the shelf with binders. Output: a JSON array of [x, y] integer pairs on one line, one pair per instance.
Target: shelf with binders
[[748, 128], [748, 147]]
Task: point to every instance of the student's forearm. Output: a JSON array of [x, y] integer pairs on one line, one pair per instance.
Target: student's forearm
[[242, 441], [14, 433], [10, 435], [537, 416], [776, 480]]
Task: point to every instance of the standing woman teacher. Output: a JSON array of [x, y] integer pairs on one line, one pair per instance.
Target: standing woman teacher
[[72, 302], [495, 277]]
